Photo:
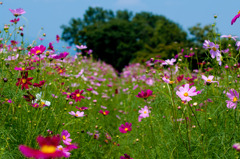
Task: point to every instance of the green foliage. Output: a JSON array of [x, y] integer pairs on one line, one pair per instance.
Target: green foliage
[[122, 37]]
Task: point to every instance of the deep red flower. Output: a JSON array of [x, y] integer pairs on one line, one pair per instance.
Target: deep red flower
[[48, 148], [15, 20], [77, 96], [24, 81], [29, 97], [41, 83], [57, 38], [126, 156], [180, 78], [144, 95]]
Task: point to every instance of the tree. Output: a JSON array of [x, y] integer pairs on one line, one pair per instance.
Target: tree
[[117, 38]]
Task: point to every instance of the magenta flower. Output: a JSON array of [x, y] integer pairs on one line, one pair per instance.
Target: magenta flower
[[235, 18], [144, 95], [17, 12], [104, 112], [81, 108], [40, 84], [77, 114], [236, 146], [209, 79], [37, 50], [50, 47], [24, 81], [125, 128], [126, 156], [185, 93], [57, 38], [48, 148], [61, 55], [233, 95], [65, 137], [77, 95], [15, 20]]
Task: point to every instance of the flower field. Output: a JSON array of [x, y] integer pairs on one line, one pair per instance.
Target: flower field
[[57, 105]]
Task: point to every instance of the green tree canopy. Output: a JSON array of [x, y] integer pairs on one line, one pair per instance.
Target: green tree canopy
[[117, 38]]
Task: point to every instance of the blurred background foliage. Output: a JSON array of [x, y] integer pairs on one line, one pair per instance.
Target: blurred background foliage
[[121, 37]]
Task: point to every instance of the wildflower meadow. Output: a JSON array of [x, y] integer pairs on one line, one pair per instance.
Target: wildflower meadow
[[54, 104]]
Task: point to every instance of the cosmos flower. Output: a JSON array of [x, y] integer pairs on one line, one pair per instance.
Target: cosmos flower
[[15, 20], [40, 101], [236, 146], [37, 50], [65, 137], [208, 79], [233, 95], [167, 80], [61, 55], [185, 92], [81, 47], [57, 38], [169, 62], [126, 156], [81, 108], [10, 58], [144, 113], [77, 114], [230, 37], [40, 84], [104, 112], [125, 128], [65, 150], [17, 12], [77, 95], [24, 81], [48, 148], [235, 18], [145, 94], [214, 50]]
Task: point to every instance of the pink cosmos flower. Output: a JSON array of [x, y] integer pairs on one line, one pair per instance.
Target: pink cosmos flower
[[37, 50], [238, 45], [104, 112], [125, 128], [77, 114], [17, 12], [230, 37], [10, 58], [206, 44], [48, 148], [236, 146], [65, 137], [208, 79], [65, 150], [169, 62], [233, 95], [185, 93], [81, 47], [144, 112], [214, 50], [235, 18], [167, 80]]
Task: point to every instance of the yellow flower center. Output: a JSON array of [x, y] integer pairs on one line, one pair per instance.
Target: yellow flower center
[[185, 94], [42, 103], [60, 71], [234, 99], [214, 49], [64, 137], [104, 113], [24, 80], [78, 95], [126, 129], [208, 80], [171, 82], [145, 112], [38, 51], [23, 68], [76, 114], [48, 149], [238, 12]]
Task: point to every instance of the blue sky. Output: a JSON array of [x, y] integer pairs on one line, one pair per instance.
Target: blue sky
[[51, 14]]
